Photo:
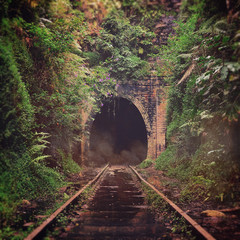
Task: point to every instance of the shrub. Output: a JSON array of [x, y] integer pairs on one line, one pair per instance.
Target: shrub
[[123, 47]]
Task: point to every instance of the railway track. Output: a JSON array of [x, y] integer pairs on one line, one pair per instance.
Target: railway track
[[117, 209]]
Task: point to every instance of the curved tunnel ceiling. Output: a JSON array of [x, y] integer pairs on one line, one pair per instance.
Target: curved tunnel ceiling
[[118, 134]]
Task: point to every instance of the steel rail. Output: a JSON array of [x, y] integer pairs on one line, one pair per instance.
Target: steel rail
[[195, 225], [42, 226]]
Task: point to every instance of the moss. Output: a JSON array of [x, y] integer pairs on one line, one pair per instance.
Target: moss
[[68, 165], [146, 163]]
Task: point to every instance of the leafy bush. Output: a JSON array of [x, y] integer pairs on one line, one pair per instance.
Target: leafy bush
[[215, 162], [197, 188], [166, 158], [123, 47], [92, 57], [16, 112], [178, 45], [205, 8], [19, 181]]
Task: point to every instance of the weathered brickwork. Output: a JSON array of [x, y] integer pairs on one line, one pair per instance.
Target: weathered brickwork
[[149, 96]]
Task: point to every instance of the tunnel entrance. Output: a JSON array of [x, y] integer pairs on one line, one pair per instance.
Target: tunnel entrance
[[118, 134]]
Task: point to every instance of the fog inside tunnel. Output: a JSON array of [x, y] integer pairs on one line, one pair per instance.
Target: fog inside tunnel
[[118, 134]]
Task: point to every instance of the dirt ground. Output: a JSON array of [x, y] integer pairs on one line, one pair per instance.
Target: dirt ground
[[221, 220]]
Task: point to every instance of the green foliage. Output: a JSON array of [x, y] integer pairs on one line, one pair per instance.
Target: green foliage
[[146, 163], [154, 199], [92, 57], [37, 148], [25, 176], [16, 110], [198, 188], [166, 158], [205, 8], [181, 226], [67, 163], [214, 162], [123, 47], [203, 104], [174, 167], [149, 17], [19, 180], [179, 44], [50, 40]]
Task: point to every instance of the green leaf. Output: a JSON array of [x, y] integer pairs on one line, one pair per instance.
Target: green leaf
[[233, 66], [37, 159], [224, 73], [140, 50]]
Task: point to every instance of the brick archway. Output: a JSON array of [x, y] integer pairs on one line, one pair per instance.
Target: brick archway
[[149, 97]]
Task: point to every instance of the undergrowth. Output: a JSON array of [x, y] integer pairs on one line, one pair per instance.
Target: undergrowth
[[67, 163], [202, 66], [146, 163]]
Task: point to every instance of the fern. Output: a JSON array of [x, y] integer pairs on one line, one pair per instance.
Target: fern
[[40, 143]]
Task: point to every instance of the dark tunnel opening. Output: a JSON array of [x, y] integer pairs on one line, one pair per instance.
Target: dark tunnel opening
[[118, 134]]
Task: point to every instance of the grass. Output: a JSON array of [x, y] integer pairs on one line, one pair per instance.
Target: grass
[[146, 163]]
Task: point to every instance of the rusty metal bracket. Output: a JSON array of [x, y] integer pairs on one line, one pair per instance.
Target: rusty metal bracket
[[195, 225], [42, 226]]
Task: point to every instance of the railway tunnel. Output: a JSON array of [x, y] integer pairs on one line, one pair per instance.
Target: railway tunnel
[[118, 134]]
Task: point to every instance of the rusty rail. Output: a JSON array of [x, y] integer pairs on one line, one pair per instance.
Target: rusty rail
[[194, 224], [42, 226]]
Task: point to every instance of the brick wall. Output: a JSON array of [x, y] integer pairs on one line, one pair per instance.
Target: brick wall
[[149, 97]]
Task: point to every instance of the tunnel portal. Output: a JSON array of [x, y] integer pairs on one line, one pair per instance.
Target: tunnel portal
[[118, 134]]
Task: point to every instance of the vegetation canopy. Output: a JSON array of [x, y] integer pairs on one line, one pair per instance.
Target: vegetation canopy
[[60, 59]]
